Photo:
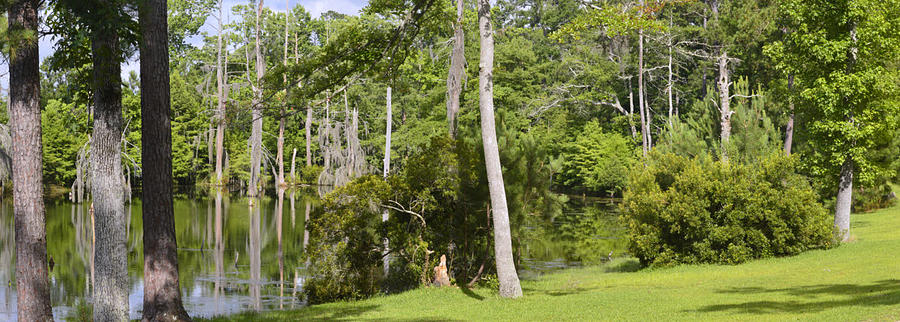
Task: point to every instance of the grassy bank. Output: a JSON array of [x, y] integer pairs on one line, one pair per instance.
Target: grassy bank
[[856, 281]]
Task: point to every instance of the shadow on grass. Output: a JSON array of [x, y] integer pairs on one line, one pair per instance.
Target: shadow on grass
[[625, 266], [468, 292], [562, 292], [882, 293], [317, 313]]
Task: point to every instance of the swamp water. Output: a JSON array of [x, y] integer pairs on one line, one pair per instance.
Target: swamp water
[[234, 259]]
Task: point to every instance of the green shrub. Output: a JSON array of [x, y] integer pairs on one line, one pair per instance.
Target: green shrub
[[309, 174], [344, 251], [597, 161], [872, 198], [681, 210]]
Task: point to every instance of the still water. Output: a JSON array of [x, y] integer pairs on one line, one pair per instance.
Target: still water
[[234, 259]]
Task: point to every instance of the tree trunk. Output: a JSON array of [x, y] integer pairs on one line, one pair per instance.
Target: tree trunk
[[280, 156], [221, 81], [256, 112], [631, 110], [457, 70], [293, 167], [387, 168], [506, 269], [645, 129], [254, 250], [724, 103], [789, 131], [111, 255], [162, 292], [669, 83], [32, 281], [308, 125], [843, 202]]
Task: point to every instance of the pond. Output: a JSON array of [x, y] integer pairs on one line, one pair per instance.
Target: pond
[[232, 259]]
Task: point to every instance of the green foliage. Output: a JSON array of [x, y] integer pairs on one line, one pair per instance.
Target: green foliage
[[841, 53], [680, 210], [344, 251], [753, 134], [62, 138], [597, 161]]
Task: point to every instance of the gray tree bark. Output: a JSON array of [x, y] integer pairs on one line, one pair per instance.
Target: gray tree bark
[[308, 126], [280, 152], [506, 269], [725, 111], [387, 168], [457, 70], [293, 166], [256, 112], [669, 83], [789, 130], [221, 81], [32, 281], [162, 292], [843, 202], [645, 128], [111, 254]]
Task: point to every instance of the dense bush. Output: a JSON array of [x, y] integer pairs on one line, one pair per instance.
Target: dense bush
[[438, 204], [695, 210], [437, 207]]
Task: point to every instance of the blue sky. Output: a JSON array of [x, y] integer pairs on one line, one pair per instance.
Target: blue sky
[[314, 7]]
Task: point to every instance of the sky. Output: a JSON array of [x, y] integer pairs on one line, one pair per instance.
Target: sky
[[314, 7]]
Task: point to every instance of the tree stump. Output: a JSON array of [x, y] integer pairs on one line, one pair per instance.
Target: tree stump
[[440, 273]]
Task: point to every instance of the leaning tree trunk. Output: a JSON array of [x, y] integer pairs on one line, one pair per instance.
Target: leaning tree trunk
[[457, 68], [506, 269], [221, 81], [162, 292], [32, 282], [256, 130], [110, 297], [843, 202]]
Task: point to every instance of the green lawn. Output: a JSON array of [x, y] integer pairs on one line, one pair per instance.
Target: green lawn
[[856, 281]]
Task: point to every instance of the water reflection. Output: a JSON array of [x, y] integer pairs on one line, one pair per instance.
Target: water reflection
[[235, 257]]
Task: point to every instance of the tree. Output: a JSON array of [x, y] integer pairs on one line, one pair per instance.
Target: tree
[[111, 256], [256, 113], [457, 69], [32, 282], [506, 269], [842, 52], [162, 292], [221, 81]]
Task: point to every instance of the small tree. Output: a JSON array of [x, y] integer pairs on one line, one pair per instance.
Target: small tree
[[841, 51]]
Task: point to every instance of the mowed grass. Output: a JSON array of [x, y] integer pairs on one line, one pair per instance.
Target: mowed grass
[[856, 281]]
